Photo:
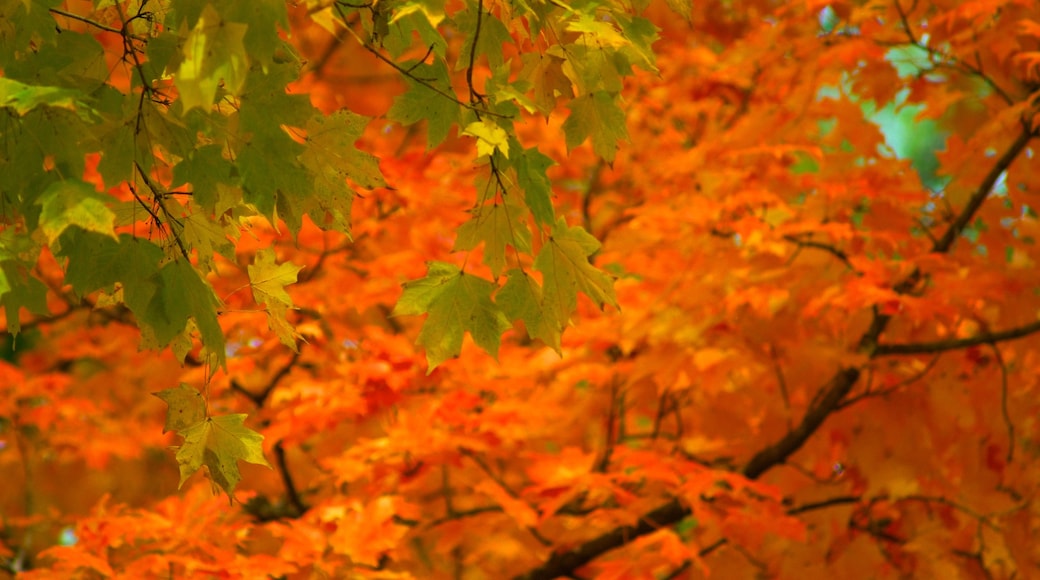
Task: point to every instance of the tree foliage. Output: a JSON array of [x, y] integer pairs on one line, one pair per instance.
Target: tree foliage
[[722, 318]]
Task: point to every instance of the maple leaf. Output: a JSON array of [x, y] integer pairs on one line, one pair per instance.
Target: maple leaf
[[596, 115], [496, 226], [186, 407], [268, 280], [215, 442], [214, 54], [70, 203], [421, 102], [179, 294], [566, 270], [20, 289], [457, 303], [332, 157], [490, 137], [521, 298], [537, 190]]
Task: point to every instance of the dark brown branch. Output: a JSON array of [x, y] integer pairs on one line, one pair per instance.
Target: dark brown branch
[[801, 243], [563, 563], [260, 398], [281, 461], [841, 500], [290, 486], [979, 197], [475, 97], [839, 254], [956, 343], [829, 400]]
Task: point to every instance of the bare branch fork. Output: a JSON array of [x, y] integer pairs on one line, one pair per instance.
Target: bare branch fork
[[831, 396]]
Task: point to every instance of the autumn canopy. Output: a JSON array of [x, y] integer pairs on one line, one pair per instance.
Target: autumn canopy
[[529, 289]]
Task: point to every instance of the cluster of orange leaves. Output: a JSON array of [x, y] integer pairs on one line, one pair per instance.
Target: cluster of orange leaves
[[745, 284]]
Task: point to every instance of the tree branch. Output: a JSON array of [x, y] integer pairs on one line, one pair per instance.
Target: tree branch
[[260, 398], [956, 343], [979, 197], [828, 401], [287, 480]]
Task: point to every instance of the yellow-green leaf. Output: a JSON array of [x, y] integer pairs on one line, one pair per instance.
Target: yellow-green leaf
[[186, 407], [72, 202], [214, 54], [219, 443], [216, 442], [269, 279], [489, 137]]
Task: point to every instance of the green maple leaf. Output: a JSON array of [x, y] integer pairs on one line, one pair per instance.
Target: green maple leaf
[[330, 147], [531, 174], [416, 18], [596, 115], [456, 303], [216, 442], [72, 202], [522, 298], [96, 262], [23, 98], [214, 54], [20, 289], [180, 294], [204, 169], [420, 103], [268, 280], [331, 157], [641, 34], [566, 270], [591, 67], [278, 322], [496, 226], [493, 35]]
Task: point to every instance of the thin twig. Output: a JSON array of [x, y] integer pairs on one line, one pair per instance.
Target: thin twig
[[1004, 402], [909, 380], [94, 23], [375, 52], [781, 382]]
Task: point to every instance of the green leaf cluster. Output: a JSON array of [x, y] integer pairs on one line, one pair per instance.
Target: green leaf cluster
[[203, 92], [195, 133], [458, 302]]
